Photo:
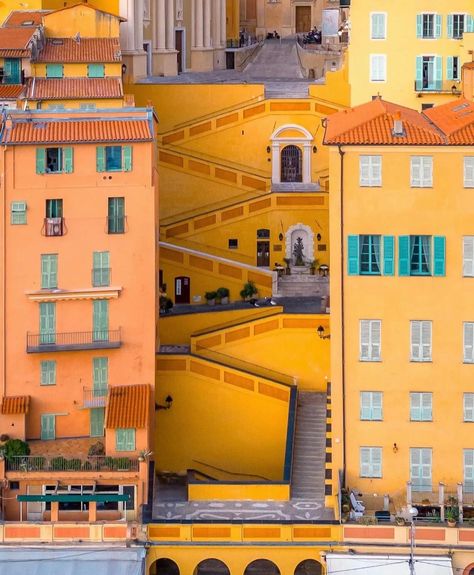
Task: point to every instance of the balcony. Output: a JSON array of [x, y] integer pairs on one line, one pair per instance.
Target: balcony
[[35, 463], [73, 341], [438, 87], [94, 397], [54, 227]]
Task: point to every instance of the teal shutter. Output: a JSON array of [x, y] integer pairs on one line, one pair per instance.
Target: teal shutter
[[404, 256], [469, 23], [439, 256], [419, 25], [96, 70], [450, 68], [353, 255], [49, 271], [100, 375], [100, 158], [97, 417], [388, 255], [125, 439], [419, 72], [54, 70], [11, 71], [48, 427], [438, 72], [48, 373], [40, 160], [450, 25], [101, 269], [437, 26], [127, 158], [67, 160], [100, 320], [47, 322]]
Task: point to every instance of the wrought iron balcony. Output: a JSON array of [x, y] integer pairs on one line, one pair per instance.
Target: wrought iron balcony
[[438, 86], [54, 227], [94, 397], [73, 341], [30, 463]]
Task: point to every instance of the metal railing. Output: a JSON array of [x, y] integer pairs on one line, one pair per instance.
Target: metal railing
[[444, 86], [53, 227], [94, 397], [101, 277], [31, 463], [71, 341]]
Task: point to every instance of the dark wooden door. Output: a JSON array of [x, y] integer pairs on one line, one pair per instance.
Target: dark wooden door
[[263, 254], [182, 285], [179, 48], [303, 19]]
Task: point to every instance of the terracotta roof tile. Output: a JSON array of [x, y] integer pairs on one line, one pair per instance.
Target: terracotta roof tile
[[86, 50], [10, 91], [469, 65], [17, 18], [15, 405], [453, 117], [80, 131], [15, 42], [73, 88], [128, 406]]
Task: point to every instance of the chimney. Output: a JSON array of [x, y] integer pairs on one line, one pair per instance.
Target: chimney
[[398, 125]]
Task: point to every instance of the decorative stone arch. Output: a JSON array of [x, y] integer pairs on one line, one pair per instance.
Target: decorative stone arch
[[211, 567], [469, 569], [287, 135], [306, 234]]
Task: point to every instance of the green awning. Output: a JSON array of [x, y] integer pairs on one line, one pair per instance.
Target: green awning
[[75, 497]]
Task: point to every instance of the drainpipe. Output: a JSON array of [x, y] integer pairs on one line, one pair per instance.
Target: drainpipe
[[3, 272], [343, 347]]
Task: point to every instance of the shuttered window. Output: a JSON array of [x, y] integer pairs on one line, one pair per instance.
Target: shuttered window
[[97, 416], [421, 255], [54, 160], [469, 172], [420, 343], [468, 256], [370, 171], [364, 255], [100, 376], [371, 405], [100, 320], [370, 339], [48, 372], [49, 271], [371, 462], [452, 68], [48, 427], [47, 322], [114, 158], [468, 457], [18, 213], [420, 468], [54, 70], [101, 269], [468, 340], [468, 406], [378, 25], [125, 439], [421, 406], [421, 171], [116, 216], [95, 70], [378, 67]]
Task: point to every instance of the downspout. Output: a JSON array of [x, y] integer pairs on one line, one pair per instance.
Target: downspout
[[3, 272], [343, 347]]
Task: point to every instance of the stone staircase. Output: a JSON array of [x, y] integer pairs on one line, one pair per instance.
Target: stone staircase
[[309, 449], [302, 285]]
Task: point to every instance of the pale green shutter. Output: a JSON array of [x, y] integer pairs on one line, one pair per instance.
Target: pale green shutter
[[419, 25], [469, 172], [468, 484], [415, 406], [54, 70], [377, 405], [353, 255], [438, 72], [100, 376], [450, 68], [47, 322], [365, 405], [48, 427], [18, 213], [127, 158], [101, 320], [40, 160], [49, 271], [97, 416], [100, 158], [469, 23], [437, 24], [388, 255], [419, 72], [96, 70], [125, 439], [468, 256], [404, 256], [101, 269], [468, 337], [48, 372], [439, 256], [67, 160], [450, 25]]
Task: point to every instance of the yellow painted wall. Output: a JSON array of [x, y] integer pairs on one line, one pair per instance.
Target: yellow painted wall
[[72, 104], [78, 70], [336, 89], [233, 492], [219, 423], [84, 19]]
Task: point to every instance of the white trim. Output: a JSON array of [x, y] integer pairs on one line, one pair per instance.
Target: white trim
[[304, 141], [371, 25], [289, 246], [383, 59]]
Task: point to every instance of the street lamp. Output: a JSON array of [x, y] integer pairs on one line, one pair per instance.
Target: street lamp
[[413, 511]]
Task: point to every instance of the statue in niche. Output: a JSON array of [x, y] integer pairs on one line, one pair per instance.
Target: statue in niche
[[298, 250], [179, 11]]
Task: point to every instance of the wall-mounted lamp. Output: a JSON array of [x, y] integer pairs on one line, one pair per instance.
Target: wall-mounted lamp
[[318, 237], [395, 448], [268, 149], [280, 237], [320, 331], [315, 149], [168, 402], [124, 68]]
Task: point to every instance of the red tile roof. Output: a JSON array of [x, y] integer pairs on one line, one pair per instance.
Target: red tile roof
[[18, 18], [10, 91], [452, 116], [39, 131], [15, 42], [15, 405], [85, 50], [128, 406], [73, 88]]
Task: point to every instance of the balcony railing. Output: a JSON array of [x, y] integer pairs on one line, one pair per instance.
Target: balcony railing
[[95, 397], [101, 277], [440, 86], [73, 341], [54, 227], [31, 463]]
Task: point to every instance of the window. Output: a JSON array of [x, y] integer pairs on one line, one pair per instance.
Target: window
[[468, 457], [49, 271], [420, 340], [47, 322], [429, 73], [468, 339], [378, 26], [370, 335], [54, 208], [291, 164], [371, 462], [54, 70], [48, 427], [469, 172], [453, 68], [456, 25], [48, 372], [116, 216], [428, 25], [421, 408], [364, 255], [370, 171], [125, 439], [101, 269], [100, 376], [100, 320], [11, 71], [54, 160], [420, 468], [378, 67], [421, 171], [468, 256], [371, 405], [421, 255], [233, 244], [95, 70], [114, 158], [468, 407], [97, 416], [18, 213], [263, 234]]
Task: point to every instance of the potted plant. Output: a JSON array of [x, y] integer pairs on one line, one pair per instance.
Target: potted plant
[[210, 297], [312, 266], [249, 291], [223, 295], [451, 512], [400, 521], [287, 269]]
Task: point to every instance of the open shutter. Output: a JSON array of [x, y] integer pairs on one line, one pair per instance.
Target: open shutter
[[404, 255], [364, 339], [127, 158], [40, 161], [450, 68], [353, 255], [437, 23], [469, 172], [469, 23], [415, 171], [419, 72], [450, 25], [375, 337], [468, 407], [68, 160], [426, 340], [419, 25], [100, 158], [438, 72], [468, 256], [389, 255], [468, 342], [439, 256]]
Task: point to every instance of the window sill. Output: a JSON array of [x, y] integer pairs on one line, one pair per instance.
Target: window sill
[[421, 361], [370, 360]]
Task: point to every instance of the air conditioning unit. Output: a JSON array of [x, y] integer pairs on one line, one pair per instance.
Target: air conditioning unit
[[54, 226]]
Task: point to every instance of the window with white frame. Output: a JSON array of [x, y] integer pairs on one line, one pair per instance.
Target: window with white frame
[[421, 171], [468, 407], [371, 462], [420, 340], [378, 25], [421, 406], [468, 461], [468, 341], [378, 67], [371, 405], [468, 256], [420, 468], [469, 172], [370, 171], [453, 68], [456, 25], [428, 25], [370, 339], [18, 213]]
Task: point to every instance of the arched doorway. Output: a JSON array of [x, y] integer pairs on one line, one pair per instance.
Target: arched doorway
[[291, 164], [164, 566], [211, 567], [309, 567], [262, 567]]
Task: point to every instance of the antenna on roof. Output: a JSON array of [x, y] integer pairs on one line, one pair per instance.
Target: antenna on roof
[[77, 38]]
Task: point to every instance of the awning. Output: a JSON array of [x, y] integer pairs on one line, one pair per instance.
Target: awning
[[343, 563], [75, 497], [72, 561]]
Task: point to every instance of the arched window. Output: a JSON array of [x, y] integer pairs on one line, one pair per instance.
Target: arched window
[[262, 567], [308, 567], [211, 567], [164, 567], [291, 164]]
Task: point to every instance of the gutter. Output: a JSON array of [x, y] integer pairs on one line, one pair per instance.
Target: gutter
[[343, 347]]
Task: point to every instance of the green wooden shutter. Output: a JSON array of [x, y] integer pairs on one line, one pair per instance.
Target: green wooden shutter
[[449, 68], [96, 70], [353, 255], [49, 271], [97, 417], [101, 269], [68, 160], [18, 212], [47, 322], [54, 70], [469, 23], [48, 372], [100, 375], [450, 25], [438, 72], [100, 158], [437, 24], [125, 439], [419, 25], [101, 320], [388, 255], [439, 256], [12, 71], [404, 256], [419, 72], [40, 160], [116, 223], [127, 158], [48, 427]]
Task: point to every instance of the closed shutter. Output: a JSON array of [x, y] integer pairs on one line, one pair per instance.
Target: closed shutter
[[439, 256], [48, 372], [100, 376], [370, 462], [427, 406], [47, 322], [468, 406], [415, 171], [100, 158], [377, 405], [49, 271], [365, 339], [419, 25], [101, 269], [420, 468], [469, 172], [415, 341], [97, 416], [450, 26], [378, 26], [427, 170], [375, 339], [365, 461], [68, 154], [95, 70], [468, 342], [468, 486], [18, 213], [353, 255], [101, 320], [426, 340], [468, 256], [127, 158], [375, 170], [437, 24], [365, 405], [40, 160], [364, 175], [376, 463], [415, 406], [48, 427], [388, 255], [404, 255], [125, 439]]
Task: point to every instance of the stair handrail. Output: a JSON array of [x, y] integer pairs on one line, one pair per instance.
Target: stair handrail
[[260, 313], [290, 436], [231, 472], [210, 250]]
